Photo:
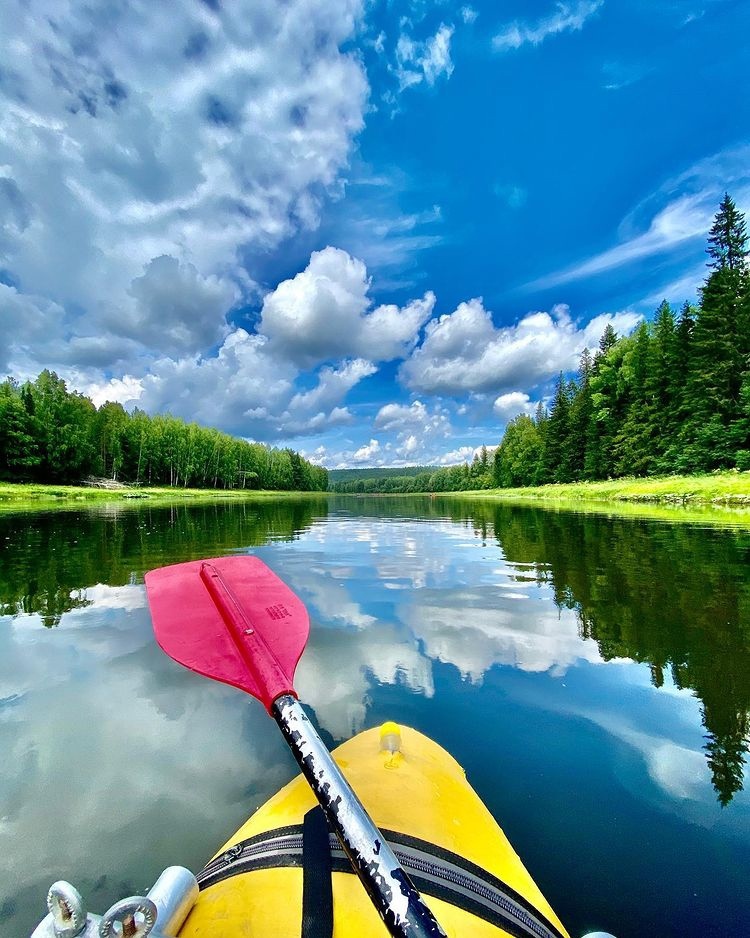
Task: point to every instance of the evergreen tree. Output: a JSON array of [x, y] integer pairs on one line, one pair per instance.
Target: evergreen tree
[[605, 406], [727, 239], [608, 339], [720, 342], [556, 458], [581, 409], [634, 442]]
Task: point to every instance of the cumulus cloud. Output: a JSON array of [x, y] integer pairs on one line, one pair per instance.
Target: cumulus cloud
[[568, 17], [242, 388], [318, 408], [176, 309], [416, 427], [124, 390], [367, 453], [136, 176], [324, 313], [463, 352], [414, 416], [512, 404], [456, 456]]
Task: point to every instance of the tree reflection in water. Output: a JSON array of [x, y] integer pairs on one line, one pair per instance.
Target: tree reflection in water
[[674, 596]]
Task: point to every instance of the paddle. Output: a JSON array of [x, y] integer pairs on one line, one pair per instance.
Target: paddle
[[234, 620]]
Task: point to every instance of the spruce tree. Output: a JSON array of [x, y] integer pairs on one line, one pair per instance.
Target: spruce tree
[[727, 239], [556, 436], [580, 418], [720, 341]]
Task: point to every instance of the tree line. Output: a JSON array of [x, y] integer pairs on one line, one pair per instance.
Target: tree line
[[463, 478], [671, 397], [52, 435]]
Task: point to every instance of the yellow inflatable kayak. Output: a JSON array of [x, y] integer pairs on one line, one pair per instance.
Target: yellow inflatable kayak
[[446, 840]]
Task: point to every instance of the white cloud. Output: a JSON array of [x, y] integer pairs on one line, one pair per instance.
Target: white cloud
[[463, 352], [323, 313], [124, 390], [426, 61], [512, 404], [367, 453], [414, 416], [251, 385], [318, 408], [677, 216], [417, 429], [686, 219], [468, 14], [568, 17], [456, 456], [137, 174]]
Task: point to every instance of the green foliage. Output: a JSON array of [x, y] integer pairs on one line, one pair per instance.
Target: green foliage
[[49, 434], [518, 459], [672, 397]]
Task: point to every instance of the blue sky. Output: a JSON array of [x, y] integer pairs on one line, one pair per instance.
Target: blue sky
[[375, 231]]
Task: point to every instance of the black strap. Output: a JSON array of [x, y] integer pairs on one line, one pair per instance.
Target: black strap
[[317, 890]]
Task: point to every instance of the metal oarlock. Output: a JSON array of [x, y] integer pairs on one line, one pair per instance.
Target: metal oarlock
[[160, 914]]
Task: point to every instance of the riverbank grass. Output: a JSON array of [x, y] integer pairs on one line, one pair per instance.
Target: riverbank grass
[[14, 493], [715, 488]]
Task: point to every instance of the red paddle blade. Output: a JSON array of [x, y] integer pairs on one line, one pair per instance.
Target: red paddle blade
[[232, 619]]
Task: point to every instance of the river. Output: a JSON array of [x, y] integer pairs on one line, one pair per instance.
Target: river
[[609, 659]]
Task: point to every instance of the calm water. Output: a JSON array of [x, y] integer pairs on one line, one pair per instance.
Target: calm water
[[609, 658]]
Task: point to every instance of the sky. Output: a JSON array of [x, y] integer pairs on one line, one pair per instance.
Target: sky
[[373, 230]]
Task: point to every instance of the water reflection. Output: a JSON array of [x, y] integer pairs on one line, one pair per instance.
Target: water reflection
[[676, 597], [599, 652], [48, 558]]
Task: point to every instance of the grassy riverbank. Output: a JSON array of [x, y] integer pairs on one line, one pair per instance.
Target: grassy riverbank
[[14, 494], [716, 488], [717, 498]]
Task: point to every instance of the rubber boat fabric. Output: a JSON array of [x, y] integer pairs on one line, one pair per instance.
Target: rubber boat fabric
[[284, 875]]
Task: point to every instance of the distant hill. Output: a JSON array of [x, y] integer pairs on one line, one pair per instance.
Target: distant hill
[[357, 475]]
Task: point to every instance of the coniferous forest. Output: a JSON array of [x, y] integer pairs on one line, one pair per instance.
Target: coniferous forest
[[672, 397], [52, 435]]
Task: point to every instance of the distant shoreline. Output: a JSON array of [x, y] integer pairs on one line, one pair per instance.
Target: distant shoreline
[[711, 497]]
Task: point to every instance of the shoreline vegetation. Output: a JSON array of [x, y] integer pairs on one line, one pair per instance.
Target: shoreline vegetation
[[718, 489], [729, 489], [15, 494]]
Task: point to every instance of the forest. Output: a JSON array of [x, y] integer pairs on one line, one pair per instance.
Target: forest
[[52, 435], [672, 397]]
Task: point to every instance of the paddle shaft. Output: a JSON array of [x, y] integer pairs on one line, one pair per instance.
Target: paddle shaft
[[392, 892]]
